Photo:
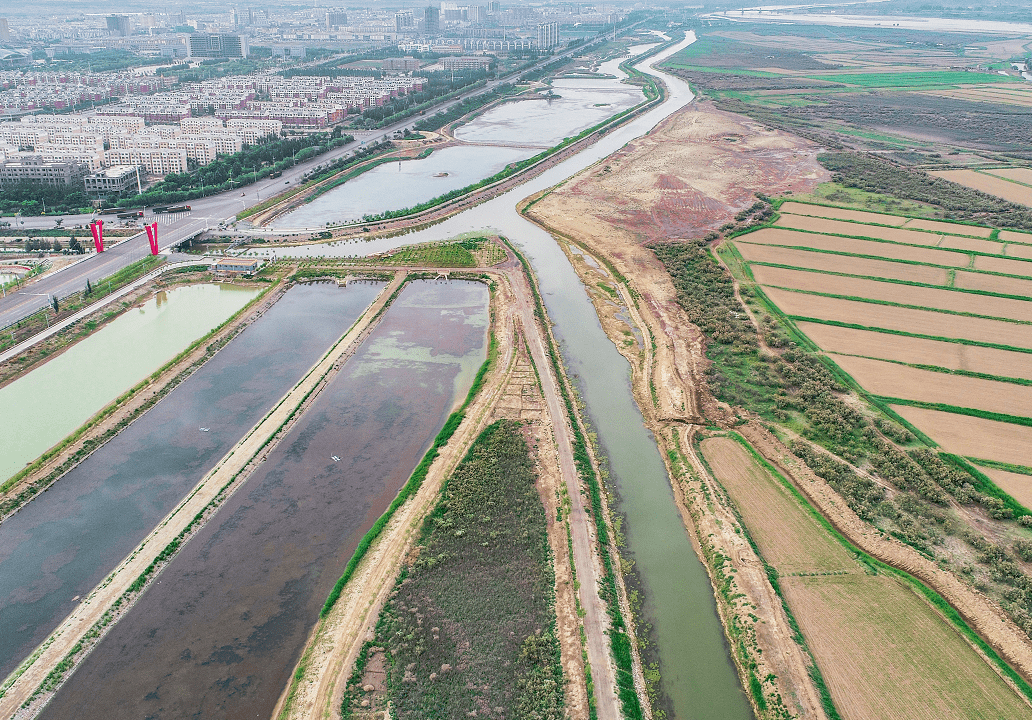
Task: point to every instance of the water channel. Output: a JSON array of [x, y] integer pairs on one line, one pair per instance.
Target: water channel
[[505, 134], [699, 678], [219, 633], [44, 406], [61, 544]]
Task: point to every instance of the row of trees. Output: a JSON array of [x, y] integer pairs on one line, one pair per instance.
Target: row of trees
[[35, 244]]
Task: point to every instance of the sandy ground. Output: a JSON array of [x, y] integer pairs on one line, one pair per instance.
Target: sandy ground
[[116, 585]]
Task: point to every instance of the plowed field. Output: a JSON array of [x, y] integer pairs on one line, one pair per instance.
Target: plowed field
[[776, 236], [993, 283], [973, 244], [838, 227], [972, 436], [842, 264], [1003, 265], [894, 292], [949, 228], [901, 381], [919, 322], [1021, 175], [841, 214], [920, 351], [886, 654], [1013, 236], [1016, 485], [988, 184], [1020, 251]]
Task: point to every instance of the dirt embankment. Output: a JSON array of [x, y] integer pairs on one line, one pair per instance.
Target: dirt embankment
[[691, 175]]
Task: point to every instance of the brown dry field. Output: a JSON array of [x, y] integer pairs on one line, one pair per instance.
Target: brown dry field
[[948, 228], [994, 186], [789, 537], [894, 292], [688, 176], [839, 227], [919, 351], [778, 236], [1016, 485], [974, 244], [972, 436], [993, 283], [920, 322], [1021, 175], [842, 264], [1008, 98], [1019, 251], [1003, 265], [886, 654], [1015, 236], [901, 381], [835, 213]]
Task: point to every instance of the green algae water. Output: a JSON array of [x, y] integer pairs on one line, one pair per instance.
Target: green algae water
[[44, 406]]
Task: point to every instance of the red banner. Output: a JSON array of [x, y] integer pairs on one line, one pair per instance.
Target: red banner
[[152, 236], [97, 228]]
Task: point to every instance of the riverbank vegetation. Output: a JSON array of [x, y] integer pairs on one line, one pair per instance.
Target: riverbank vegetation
[[470, 628]]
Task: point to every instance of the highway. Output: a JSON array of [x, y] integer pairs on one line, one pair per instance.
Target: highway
[[206, 213]]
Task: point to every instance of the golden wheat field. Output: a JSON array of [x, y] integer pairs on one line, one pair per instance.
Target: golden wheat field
[[972, 436]]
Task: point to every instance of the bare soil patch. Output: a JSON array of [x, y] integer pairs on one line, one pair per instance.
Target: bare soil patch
[[972, 436], [1020, 175], [789, 538], [841, 263], [777, 236], [993, 283], [919, 351], [973, 244], [1014, 236], [900, 381], [988, 184], [1019, 251], [948, 228], [920, 322], [1016, 485], [885, 653], [1002, 265], [834, 213], [894, 292], [838, 227]]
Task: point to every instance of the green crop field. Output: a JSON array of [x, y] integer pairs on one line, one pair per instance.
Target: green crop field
[[914, 79]]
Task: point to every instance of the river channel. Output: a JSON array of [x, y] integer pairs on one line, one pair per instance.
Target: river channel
[[44, 406], [699, 679], [219, 633], [60, 545]]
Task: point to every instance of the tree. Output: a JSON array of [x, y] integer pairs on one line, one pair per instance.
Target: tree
[[53, 302], [57, 245], [89, 288], [75, 246]]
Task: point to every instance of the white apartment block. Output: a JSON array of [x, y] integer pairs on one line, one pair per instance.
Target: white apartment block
[[155, 161], [133, 123], [200, 124]]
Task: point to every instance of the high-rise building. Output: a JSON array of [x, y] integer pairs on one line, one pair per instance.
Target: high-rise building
[[215, 46], [494, 8], [336, 18], [234, 18], [432, 20], [477, 14], [404, 21], [548, 35], [5, 32], [119, 25]]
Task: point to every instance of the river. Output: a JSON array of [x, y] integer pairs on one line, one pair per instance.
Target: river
[[699, 679], [63, 543], [219, 633]]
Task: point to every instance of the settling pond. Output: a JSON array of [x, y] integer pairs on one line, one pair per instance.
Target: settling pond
[[219, 633], [699, 678], [63, 543], [44, 406]]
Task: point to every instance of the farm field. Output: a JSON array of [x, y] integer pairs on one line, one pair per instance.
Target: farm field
[[905, 320], [919, 351], [1003, 265], [833, 213], [1002, 284], [1018, 237], [1017, 485], [988, 184], [1021, 175], [1019, 250], [948, 228], [933, 298], [838, 227], [872, 248], [883, 651], [841, 263], [973, 437], [893, 380]]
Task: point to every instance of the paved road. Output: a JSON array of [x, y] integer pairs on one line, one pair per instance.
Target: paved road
[[207, 213]]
